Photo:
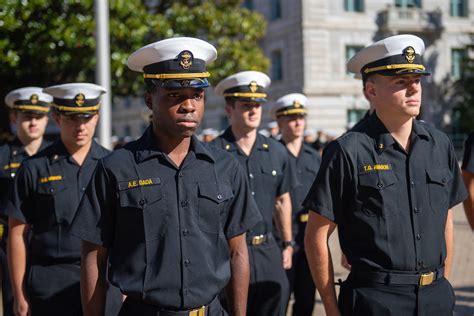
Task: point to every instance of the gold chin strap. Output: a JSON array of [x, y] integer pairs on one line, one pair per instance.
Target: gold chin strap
[[394, 66], [78, 109], [31, 108], [246, 95], [195, 75]]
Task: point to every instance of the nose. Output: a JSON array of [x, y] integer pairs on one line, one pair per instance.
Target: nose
[[414, 86], [188, 105]]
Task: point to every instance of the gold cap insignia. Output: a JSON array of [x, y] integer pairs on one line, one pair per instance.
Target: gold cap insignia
[[253, 86], [79, 99], [409, 53], [186, 59], [296, 104], [34, 99]]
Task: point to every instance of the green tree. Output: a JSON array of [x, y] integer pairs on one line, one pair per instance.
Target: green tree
[[45, 42]]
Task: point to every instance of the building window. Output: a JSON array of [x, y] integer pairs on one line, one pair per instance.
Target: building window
[[354, 5], [277, 65], [459, 8], [275, 9], [354, 116], [351, 50], [408, 3], [248, 4], [457, 56]]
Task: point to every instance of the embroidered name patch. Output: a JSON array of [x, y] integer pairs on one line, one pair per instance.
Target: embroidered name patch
[[376, 167], [50, 179], [13, 165], [138, 183]]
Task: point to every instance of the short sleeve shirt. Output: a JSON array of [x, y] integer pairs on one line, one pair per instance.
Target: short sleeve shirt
[[468, 158], [46, 193], [390, 206], [167, 227], [268, 170]]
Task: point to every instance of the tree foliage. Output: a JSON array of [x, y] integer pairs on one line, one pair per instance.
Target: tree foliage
[[45, 42]]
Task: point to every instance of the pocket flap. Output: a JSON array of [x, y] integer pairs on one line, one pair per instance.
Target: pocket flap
[[377, 180], [50, 188], [216, 192], [140, 197], [269, 169], [439, 176]]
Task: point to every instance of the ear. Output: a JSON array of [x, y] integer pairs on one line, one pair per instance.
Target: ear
[[56, 118], [13, 117], [149, 100], [370, 90], [228, 109]]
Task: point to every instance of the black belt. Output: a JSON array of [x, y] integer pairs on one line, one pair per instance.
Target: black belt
[[257, 240], [151, 309], [397, 277]]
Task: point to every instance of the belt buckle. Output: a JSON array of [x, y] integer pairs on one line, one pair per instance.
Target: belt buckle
[[426, 278], [304, 218], [257, 240], [201, 311]]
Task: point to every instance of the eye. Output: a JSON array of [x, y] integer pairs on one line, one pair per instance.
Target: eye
[[173, 95], [417, 81], [198, 96], [400, 82]]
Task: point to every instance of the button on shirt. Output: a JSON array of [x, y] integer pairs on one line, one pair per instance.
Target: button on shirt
[[390, 206], [468, 158], [167, 227], [268, 171], [46, 193], [306, 167]]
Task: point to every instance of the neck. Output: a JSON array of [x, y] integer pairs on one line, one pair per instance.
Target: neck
[[400, 128], [245, 139], [31, 145], [176, 148], [293, 144], [78, 153]]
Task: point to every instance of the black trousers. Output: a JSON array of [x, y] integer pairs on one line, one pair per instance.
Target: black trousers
[[402, 300], [269, 287], [301, 284], [54, 289]]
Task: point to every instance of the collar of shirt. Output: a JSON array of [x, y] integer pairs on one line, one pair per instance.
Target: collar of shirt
[[384, 139], [147, 148], [60, 152], [230, 144], [17, 147]]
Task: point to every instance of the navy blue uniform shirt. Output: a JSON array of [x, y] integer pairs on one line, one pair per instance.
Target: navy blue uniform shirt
[[167, 227], [46, 193], [268, 170], [305, 167], [468, 158], [390, 206]]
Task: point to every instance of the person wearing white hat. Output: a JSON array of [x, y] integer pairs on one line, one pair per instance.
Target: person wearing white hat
[[29, 108], [274, 130], [267, 167], [45, 267], [290, 111], [209, 134], [167, 213], [389, 185]]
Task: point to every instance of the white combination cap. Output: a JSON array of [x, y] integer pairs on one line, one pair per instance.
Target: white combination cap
[[291, 104], [246, 85], [29, 99]]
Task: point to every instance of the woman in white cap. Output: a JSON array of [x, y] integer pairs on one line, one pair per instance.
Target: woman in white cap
[[29, 108], [45, 268]]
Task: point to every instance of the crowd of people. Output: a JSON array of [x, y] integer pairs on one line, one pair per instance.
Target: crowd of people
[[233, 222]]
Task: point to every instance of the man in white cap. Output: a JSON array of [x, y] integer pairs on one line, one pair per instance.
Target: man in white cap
[[167, 212], [290, 112], [389, 186], [209, 134], [267, 167], [44, 259], [29, 114]]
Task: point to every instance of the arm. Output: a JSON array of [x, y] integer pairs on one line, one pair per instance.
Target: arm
[[17, 257], [93, 280], [237, 289], [316, 239], [449, 236], [283, 221], [469, 202]]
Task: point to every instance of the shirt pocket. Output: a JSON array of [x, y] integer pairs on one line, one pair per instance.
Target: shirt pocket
[[378, 194], [438, 186], [142, 215], [51, 202], [211, 208]]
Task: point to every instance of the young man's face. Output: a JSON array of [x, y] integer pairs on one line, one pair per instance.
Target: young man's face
[[245, 115], [76, 130], [395, 96], [176, 111], [291, 126], [30, 126]]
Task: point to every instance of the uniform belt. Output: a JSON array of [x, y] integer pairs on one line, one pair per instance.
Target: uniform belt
[[257, 240], [150, 309], [398, 278]]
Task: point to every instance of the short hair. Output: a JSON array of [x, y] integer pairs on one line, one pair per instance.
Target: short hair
[[150, 86]]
